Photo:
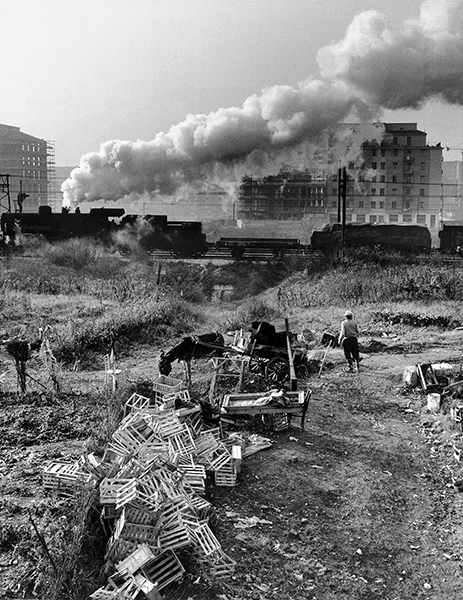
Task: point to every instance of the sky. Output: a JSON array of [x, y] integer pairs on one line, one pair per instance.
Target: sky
[[85, 72]]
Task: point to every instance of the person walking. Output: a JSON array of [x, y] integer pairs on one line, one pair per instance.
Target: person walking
[[348, 340]]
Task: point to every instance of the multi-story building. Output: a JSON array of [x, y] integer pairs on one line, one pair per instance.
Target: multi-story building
[[397, 179], [26, 166]]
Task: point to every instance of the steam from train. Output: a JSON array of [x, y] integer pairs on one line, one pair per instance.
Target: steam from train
[[373, 67]]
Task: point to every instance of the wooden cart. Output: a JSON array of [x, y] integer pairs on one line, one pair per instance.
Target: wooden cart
[[249, 404]]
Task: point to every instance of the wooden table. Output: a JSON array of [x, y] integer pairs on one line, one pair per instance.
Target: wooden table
[[246, 404]]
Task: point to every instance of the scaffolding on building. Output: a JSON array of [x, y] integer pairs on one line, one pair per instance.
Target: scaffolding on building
[[52, 189], [5, 193]]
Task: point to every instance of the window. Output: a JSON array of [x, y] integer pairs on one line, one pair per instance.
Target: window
[[348, 218], [395, 140], [433, 221], [380, 218], [374, 165], [383, 179], [382, 192], [421, 219], [393, 218], [409, 141], [372, 218], [394, 179], [373, 191], [422, 165], [408, 178], [383, 152], [395, 165], [381, 204], [383, 165], [334, 191], [373, 204], [407, 219], [373, 152], [408, 191], [333, 218], [373, 178], [360, 218], [395, 152], [421, 191], [407, 205], [334, 204], [360, 203]]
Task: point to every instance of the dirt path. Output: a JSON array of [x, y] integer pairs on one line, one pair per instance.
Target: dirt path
[[360, 503]]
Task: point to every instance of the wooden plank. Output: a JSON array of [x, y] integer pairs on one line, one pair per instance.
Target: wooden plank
[[292, 370]]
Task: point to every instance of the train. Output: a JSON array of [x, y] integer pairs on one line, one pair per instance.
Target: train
[[180, 238], [388, 236], [187, 239]]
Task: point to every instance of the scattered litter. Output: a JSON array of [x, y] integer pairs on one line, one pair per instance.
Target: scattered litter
[[359, 552], [293, 439], [247, 522]]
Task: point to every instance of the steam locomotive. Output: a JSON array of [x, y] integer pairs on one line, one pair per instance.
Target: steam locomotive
[[181, 238]]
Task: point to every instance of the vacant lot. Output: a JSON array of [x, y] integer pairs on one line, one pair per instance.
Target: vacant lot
[[361, 504]]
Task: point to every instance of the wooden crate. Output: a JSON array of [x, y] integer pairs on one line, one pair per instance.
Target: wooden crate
[[164, 569], [226, 475], [205, 539], [175, 536], [136, 402], [109, 487], [136, 560], [167, 385], [222, 566], [201, 506], [195, 476]]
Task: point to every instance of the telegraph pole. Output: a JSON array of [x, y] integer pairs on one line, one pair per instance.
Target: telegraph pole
[[342, 201]]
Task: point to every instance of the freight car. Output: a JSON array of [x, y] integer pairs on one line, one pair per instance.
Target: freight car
[[152, 232], [451, 238], [238, 246], [387, 236]]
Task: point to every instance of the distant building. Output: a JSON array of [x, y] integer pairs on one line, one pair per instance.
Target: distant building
[[26, 167], [452, 190], [395, 180]]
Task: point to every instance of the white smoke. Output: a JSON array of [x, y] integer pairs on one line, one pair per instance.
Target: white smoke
[[404, 68], [372, 67]]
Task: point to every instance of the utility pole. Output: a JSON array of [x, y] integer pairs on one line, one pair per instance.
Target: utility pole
[[342, 201]]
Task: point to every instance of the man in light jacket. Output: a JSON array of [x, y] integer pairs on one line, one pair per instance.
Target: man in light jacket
[[348, 339]]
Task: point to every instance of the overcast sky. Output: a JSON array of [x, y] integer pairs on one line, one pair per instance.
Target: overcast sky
[[81, 72]]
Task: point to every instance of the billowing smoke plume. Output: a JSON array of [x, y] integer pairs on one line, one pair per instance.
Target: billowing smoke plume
[[372, 67], [404, 68]]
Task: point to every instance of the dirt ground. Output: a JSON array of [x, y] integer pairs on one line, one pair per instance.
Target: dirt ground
[[359, 505]]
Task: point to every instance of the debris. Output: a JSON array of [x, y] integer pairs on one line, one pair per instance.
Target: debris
[[247, 522]]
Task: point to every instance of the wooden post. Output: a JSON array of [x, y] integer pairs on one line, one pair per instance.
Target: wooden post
[[292, 370]]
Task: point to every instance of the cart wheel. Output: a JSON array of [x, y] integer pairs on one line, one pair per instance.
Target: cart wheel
[[277, 369], [257, 364]]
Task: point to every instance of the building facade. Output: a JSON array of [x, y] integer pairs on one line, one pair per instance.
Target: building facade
[[26, 167], [397, 179]]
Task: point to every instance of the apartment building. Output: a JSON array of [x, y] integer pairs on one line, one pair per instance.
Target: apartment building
[[397, 179], [26, 166]]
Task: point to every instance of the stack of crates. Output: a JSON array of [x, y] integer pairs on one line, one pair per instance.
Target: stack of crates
[[167, 390]]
